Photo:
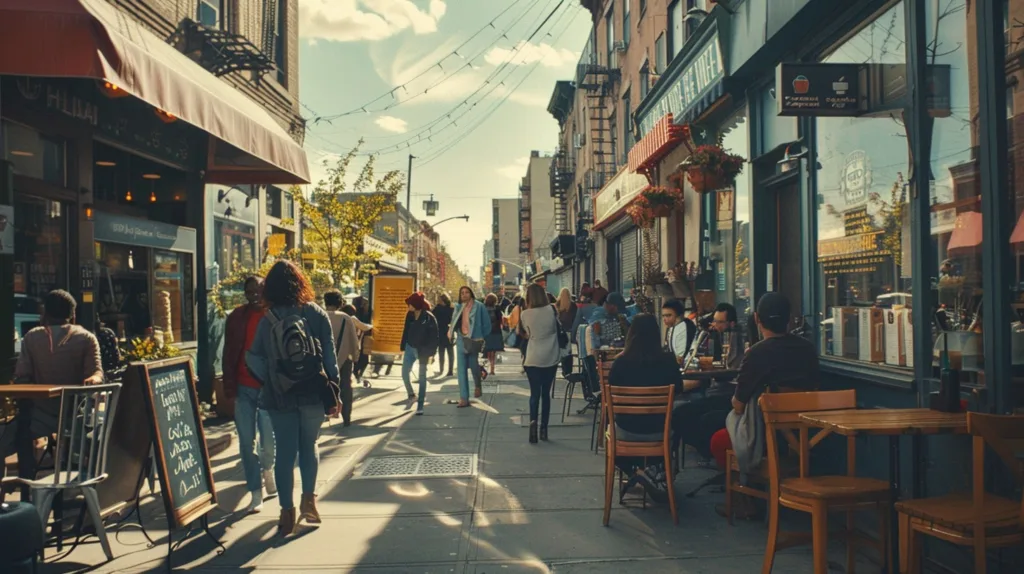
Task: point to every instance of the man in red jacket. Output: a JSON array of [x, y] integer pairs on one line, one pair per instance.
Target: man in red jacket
[[240, 330]]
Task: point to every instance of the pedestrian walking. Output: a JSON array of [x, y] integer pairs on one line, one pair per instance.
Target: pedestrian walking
[[567, 311], [469, 327], [346, 330], [419, 343], [494, 341], [539, 325], [257, 458], [443, 313], [362, 312], [293, 357]]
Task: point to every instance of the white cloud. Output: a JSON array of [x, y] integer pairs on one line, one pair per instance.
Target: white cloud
[[355, 20], [515, 170], [528, 53], [528, 99], [392, 124]]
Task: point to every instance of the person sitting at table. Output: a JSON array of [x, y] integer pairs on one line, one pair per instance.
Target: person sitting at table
[[780, 362], [612, 325], [681, 331], [687, 417], [57, 353], [643, 363]]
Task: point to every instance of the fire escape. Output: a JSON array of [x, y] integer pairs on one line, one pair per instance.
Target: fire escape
[[562, 171]]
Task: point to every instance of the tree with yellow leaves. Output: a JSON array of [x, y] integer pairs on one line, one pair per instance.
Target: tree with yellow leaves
[[337, 215]]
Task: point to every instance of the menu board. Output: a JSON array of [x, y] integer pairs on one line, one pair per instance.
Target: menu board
[[180, 444], [388, 293]]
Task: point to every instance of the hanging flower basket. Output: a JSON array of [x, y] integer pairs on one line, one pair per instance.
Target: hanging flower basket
[[710, 167], [654, 202]]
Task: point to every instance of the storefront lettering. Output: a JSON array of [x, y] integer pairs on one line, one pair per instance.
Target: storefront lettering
[[846, 246], [136, 232], [703, 72], [73, 106]]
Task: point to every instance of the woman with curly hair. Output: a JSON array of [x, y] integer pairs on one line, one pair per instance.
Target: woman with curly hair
[[292, 356]]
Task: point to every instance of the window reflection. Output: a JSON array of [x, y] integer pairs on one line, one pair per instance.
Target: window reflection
[[863, 239]]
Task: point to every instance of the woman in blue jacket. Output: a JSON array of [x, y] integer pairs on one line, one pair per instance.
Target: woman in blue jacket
[[470, 324]]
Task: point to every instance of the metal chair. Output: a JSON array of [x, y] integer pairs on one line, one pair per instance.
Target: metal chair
[[80, 460]]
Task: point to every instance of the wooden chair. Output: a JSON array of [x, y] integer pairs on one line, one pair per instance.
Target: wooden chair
[[638, 401], [978, 519], [758, 481], [820, 494], [605, 359]]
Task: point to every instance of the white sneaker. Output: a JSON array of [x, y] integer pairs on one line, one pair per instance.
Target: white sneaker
[[255, 502], [269, 484], [419, 411]]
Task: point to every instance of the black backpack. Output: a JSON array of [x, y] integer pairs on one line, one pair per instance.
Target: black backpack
[[296, 358]]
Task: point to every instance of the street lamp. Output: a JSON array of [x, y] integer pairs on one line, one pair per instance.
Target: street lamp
[[430, 227]]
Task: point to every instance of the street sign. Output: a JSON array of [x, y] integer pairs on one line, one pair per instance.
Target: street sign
[[821, 89]]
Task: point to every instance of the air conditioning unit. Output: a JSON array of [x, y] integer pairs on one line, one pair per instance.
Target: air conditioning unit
[[619, 46], [577, 141]]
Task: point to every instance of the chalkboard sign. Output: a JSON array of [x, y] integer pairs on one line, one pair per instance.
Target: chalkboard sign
[[180, 443]]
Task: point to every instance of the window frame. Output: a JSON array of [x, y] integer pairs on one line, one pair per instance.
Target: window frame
[[217, 6], [609, 32]]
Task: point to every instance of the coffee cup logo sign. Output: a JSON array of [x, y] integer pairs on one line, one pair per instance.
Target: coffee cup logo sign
[[855, 179], [801, 85]]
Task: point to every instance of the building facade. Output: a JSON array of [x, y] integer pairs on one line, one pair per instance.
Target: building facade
[[135, 188], [505, 233]]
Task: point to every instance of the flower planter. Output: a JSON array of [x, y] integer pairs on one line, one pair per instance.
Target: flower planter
[[704, 181], [664, 290], [680, 289], [662, 211], [649, 290]]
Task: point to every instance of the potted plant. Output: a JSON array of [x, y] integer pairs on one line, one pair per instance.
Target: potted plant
[[654, 202], [710, 167]]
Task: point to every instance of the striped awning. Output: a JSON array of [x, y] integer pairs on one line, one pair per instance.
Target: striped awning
[[705, 101], [662, 139]]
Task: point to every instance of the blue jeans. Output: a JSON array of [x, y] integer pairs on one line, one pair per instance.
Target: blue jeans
[[248, 418], [412, 356], [296, 432], [464, 361]]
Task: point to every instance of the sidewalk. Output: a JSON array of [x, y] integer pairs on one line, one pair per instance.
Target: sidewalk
[[528, 508]]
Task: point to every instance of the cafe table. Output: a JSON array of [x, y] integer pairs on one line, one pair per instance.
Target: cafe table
[[892, 423]]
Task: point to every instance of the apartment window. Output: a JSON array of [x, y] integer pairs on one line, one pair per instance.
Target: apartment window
[[676, 39], [613, 132], [645, 79], [209, 13], [281, 43], [659, 54], [609, 23], [643, 7], [625, 22]]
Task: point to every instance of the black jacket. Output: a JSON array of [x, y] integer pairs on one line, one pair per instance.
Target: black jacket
[[443, 314], [420, 333]]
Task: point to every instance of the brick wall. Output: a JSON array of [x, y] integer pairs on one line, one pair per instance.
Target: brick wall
[[243, 16]]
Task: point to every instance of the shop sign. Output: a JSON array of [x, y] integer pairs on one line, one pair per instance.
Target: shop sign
[[132, 231], [6, 230], [373, 245], [820, 89], [125, 120], [616, 195], [697, 79], [842, 247]]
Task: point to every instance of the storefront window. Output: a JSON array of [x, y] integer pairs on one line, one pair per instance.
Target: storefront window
[[33, 154], [730, 222], [235, 244], [955, 197], [40, 246], [1015, 179], [863, 243]]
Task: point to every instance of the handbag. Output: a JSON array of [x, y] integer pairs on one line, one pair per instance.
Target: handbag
[[472, 346], [563, 337]]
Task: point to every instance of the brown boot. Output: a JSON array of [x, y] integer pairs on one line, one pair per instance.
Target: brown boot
[[307, 509], [286, 524]]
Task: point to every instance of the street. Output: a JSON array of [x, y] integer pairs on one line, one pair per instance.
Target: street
[[529, 508]]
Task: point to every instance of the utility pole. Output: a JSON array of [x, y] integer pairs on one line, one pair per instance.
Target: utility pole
[[408, 185]]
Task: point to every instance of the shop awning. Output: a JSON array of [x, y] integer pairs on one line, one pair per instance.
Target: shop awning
[[966, 231], [659, 142], [92, 39], [1018, 231]]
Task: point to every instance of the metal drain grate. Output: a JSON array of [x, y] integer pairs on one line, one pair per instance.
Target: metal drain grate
[[435, 465]]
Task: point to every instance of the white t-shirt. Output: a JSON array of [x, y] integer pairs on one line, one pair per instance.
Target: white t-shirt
[[542, 327]]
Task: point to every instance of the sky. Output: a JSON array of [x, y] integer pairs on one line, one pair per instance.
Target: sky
[[463, 85]]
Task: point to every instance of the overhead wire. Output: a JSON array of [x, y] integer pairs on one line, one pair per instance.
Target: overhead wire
[[427, 131], [405, 85]]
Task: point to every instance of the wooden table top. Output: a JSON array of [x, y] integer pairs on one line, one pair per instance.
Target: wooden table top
[[29, 391], [888, 421]]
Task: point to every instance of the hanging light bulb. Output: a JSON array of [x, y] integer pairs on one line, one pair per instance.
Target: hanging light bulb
[[152, 197], [131, 259], [128, 196]]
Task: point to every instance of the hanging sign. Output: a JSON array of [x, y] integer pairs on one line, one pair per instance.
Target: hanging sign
[[821, 89]]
